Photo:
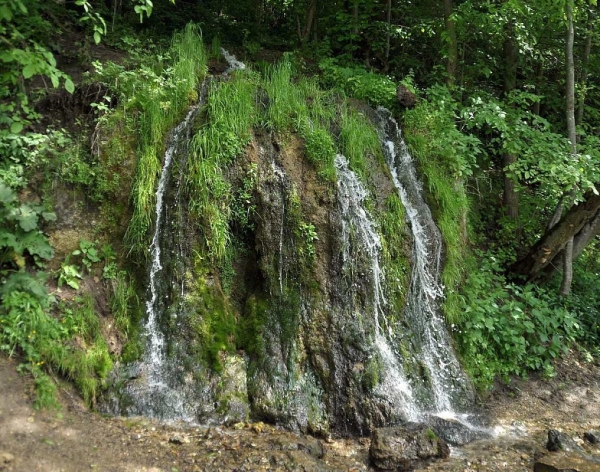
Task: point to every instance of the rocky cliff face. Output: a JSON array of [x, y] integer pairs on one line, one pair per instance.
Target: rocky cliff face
[[302, 322]]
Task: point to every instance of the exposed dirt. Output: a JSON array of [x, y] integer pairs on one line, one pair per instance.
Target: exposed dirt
[[76, 439]]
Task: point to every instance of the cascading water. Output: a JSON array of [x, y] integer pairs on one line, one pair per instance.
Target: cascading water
[[359, 236], [234, 64], [155, 391], [448, 385], [280, 176]]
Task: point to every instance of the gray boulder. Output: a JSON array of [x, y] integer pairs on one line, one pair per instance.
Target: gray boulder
[[454, 432], [406, 447]]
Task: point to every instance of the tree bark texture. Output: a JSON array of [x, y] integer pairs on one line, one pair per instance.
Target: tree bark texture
[[565, 287], [510, 197], [452, 63], [555, 239], [584, 64], [310, 21]]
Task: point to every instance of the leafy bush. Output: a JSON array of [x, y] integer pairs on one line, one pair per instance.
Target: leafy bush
[[375, 88], [509, 329]]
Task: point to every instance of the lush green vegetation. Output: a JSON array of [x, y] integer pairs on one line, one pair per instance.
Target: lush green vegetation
[[488, 133]]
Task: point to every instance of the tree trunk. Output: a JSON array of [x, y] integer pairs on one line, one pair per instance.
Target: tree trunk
[[452, 63], [510, 198], [355, 18], [309, 23], [565, 288], [586, 235], [388, 35], [539, 78], [584, 64], [556, 238], [580, 242]]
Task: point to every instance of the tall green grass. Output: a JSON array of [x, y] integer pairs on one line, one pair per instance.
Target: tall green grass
[[439, 148], [69, 342], [231, 113], [303, 107], [161, 102], [358, 139]]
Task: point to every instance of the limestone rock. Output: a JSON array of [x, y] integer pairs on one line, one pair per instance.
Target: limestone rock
[[179, 439], [454, 432], [566, 462], [406, 447]]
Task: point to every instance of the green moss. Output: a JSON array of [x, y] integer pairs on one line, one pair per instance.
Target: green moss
[[250, 329], [395, 250], [430, 434], [211, 318], [372, 373]]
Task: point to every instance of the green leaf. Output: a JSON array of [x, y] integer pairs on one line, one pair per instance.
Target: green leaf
[[49, 216], [16, 127], [69, 85], [25, 282], [5, 13], [8, 239], [97, 38], [27, 218], [73, 284], [7, 195], [37, 244], [29, 70]]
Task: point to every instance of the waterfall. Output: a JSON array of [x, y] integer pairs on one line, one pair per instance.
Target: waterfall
[[234, 64], [157, 395], [447, 382], [280, 176], [359, 236]]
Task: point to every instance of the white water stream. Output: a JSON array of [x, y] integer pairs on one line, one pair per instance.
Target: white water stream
[[360, 236], [435, 352]]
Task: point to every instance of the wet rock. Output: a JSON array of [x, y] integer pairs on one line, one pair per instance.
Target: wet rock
[[405, 96], [404, 448], [454, 432], [593, 437], [309, 445], [558, 441], [312, 446], [566, 462]]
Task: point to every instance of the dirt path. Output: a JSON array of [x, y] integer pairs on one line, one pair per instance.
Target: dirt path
[[77, 440]]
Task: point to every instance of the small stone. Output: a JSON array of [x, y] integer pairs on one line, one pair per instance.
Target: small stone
[[179, 439], [593, 437], [258, 427], [7, 457], [566, 462]]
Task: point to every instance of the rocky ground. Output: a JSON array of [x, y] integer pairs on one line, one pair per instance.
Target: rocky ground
[[76, 439]]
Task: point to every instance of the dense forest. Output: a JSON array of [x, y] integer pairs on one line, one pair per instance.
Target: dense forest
[[498, 103]]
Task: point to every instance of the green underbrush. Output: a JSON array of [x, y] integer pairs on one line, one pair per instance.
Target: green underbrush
[[152, 98], [508, 329], [445, 158]]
